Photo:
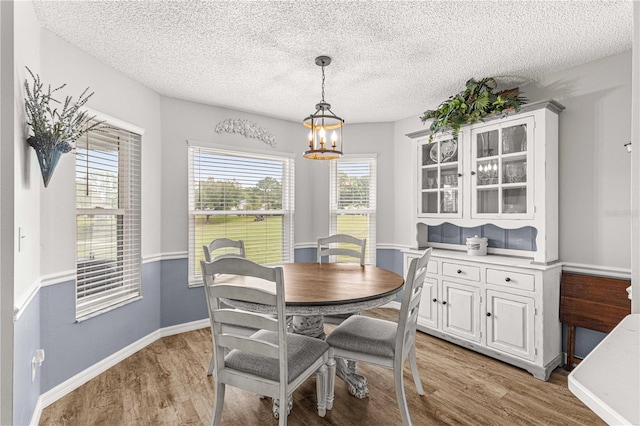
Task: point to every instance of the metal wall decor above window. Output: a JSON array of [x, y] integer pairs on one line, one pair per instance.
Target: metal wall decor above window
[[108, 228], [325, 128]]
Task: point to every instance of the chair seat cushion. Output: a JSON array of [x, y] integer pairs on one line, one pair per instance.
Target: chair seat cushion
[[367, 335], [302, 351]]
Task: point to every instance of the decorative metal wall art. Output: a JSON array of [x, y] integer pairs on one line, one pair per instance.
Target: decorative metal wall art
[[246, 128]]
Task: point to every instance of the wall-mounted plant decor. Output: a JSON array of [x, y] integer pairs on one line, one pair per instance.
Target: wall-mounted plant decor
[[247, 128], [477, 101], [53, 132]]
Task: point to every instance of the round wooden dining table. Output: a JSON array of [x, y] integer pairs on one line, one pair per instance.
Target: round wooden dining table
[[313, 290]]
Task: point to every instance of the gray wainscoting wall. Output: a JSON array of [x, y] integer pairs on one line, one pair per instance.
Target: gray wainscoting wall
[[27, 338], [179, 304]]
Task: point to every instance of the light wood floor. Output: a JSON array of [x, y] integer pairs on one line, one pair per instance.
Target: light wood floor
[[166, 384]]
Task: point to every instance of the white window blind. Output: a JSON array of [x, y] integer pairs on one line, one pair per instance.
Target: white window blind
[[353, 200], [108, 228], [240, 196]]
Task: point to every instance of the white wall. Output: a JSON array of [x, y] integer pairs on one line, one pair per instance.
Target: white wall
[[635, 169], [7, 107], [28, 179], [46, 216], [182, 121], [595, 215], [405, 230], [365, 138], [595, 169], [122, 98]]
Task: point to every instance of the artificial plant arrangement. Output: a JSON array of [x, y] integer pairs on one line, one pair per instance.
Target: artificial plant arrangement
[[473, 104], [54, 132]]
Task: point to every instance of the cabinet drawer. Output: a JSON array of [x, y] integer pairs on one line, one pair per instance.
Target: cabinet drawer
[[432, 266], [461, 271], [510, 279]]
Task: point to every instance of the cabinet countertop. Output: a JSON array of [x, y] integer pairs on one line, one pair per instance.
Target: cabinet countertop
[[491, 259], [608, 379]]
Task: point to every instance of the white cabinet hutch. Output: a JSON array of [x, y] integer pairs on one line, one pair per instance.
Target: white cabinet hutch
[[499, 179]]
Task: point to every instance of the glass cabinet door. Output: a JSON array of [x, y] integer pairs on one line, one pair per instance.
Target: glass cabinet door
[[501, 176], [439, 178]]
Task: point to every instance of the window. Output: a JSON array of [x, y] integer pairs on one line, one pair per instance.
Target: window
[[353, 200], [107, 220], [240, 196]]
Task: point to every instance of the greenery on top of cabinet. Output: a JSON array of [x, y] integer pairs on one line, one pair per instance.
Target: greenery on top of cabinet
[[477, 101]]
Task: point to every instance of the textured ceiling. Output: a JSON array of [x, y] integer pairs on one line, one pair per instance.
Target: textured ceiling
[[391, 60]]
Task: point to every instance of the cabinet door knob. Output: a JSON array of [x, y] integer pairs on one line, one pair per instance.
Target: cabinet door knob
[[459, 271], [459, 174], [507, 279], [435, 300], [473, 173], [444, 302], [488, 314]]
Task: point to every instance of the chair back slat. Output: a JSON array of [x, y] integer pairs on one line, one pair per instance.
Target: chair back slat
[[337, 248], [340, 252], [240, 318], [408, 317], [412, 314], [247, 294], [415, 300], [247, 344], [228, 248]]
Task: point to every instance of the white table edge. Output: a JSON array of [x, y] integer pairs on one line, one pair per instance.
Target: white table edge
[[600, 403]]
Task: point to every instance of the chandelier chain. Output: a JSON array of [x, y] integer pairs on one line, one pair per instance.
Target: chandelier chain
[[323, 82]]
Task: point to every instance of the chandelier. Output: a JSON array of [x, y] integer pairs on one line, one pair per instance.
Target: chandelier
[[325, 128]]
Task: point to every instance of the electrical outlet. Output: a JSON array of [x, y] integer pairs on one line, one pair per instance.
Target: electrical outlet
[[36, 361]]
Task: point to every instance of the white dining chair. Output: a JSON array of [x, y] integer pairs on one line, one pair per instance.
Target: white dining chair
[[270, 362], [334, 246], [221, 248], [385, 343]]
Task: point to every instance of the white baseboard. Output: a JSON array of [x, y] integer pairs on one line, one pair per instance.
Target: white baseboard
[[37, 412], [96, 369], [183, 328], [100, 367]]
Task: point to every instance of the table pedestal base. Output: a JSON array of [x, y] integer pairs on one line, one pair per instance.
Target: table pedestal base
[[312, 326], [346, 370], [276, 406]]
